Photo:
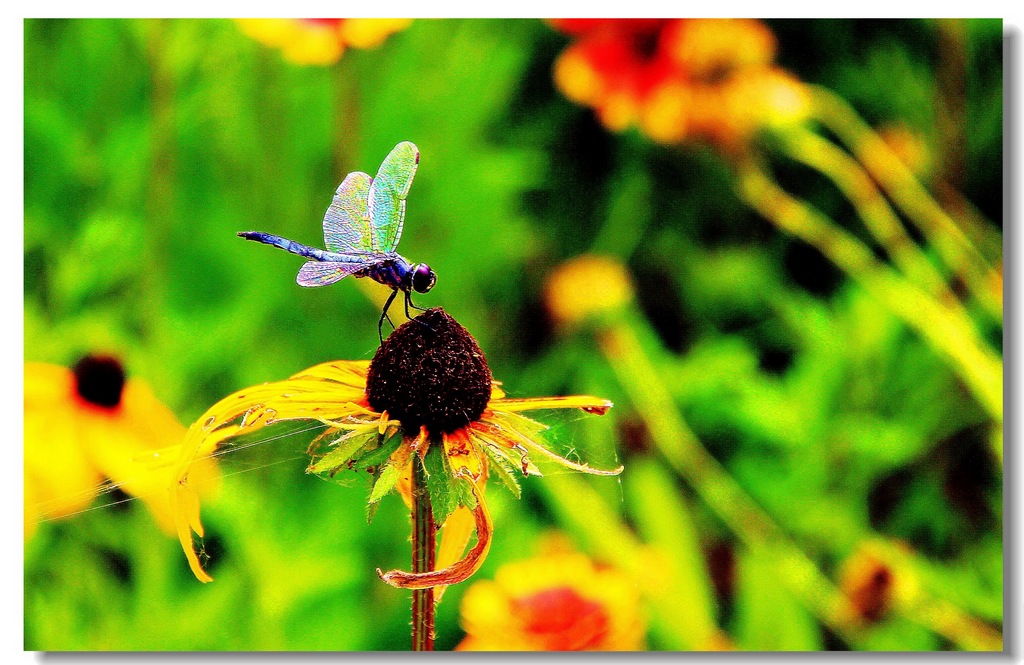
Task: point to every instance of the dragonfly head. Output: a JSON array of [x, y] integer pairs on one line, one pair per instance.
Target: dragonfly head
[[423, 278]]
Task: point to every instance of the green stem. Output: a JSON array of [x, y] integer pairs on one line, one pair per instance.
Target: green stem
[[346, 151], [423, 550], [159, 206], [943, 233], [816, 152], [972, 359]]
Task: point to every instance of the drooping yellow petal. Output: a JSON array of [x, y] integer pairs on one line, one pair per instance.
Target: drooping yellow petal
[[463, 456], [455, 534], [331, 391], [186, 521], [460, 570], [402, 458]]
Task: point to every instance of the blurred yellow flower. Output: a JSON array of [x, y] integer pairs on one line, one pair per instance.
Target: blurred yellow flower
[[909, 145], [427, 392], [89, 423], [587, 286], [713, 49], [560, 601], [729, 114], [320, 41]]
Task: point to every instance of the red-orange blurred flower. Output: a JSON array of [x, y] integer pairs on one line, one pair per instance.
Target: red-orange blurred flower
[[560, 601], [320, 41], [709, 79]]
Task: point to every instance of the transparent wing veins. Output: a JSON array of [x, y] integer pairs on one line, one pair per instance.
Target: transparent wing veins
[[347, 226], [322, 273], [388, 191]]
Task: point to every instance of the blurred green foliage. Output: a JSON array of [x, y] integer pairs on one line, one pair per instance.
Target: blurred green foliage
[[149, 144]]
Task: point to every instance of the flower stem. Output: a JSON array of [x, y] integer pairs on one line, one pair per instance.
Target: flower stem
[[423, 549]]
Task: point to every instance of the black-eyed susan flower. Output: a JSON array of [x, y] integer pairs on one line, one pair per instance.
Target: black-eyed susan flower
[[320, 41], [679, 79], [427, 392], [558, 601], [88, 425]]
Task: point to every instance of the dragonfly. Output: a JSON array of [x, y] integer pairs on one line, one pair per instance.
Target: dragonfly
[[362, 228]]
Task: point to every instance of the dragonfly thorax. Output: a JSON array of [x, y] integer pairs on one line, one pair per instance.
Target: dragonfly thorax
[[400, 275]]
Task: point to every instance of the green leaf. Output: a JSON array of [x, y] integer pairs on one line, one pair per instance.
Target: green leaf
[[504, 470], [380, 454], [386, 480], [346, 447], [371, 511], [444, 493], [465, 491]]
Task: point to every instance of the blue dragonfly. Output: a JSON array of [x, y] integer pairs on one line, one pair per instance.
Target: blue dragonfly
[[362, 227]]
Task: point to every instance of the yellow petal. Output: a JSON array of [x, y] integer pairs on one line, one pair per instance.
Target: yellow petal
[[64, 480], [594, 405], [59, 477], [330, 391], [455, 534], [187, 520]]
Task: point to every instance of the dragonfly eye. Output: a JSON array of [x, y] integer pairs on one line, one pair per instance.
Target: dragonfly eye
[[423, 278]]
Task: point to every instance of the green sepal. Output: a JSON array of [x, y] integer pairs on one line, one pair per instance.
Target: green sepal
[[381, 453], [444, 491], [345, 448], [504, 470], [386, 479]]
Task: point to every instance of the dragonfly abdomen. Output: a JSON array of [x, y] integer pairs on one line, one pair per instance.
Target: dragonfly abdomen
[[298, 248], [285, 244]]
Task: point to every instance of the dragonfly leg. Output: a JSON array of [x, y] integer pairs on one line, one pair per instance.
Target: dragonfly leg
[[408, 303], [384, 315]]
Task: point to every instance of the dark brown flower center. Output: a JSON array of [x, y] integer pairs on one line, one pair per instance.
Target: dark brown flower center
[[430, 372], [99, 380]]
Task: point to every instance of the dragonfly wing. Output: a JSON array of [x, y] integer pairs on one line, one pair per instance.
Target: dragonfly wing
[[322, 273], [386, 202], [347, 222]]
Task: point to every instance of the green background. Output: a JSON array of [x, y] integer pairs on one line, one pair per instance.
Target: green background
[[149, 144]]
